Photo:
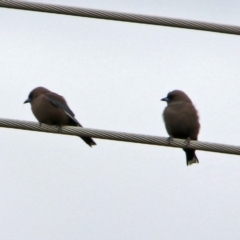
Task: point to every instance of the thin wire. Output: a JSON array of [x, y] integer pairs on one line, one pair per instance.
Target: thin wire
[[118, 16], [120, 136]]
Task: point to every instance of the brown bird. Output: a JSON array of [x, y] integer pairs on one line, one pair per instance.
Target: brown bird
[[50, 108], [181, 120]]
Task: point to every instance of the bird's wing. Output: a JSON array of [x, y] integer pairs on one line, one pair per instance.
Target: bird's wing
[[59, 102]]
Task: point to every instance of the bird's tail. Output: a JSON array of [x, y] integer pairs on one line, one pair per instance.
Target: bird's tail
[[191, 156], [74, 122], [89, 141]]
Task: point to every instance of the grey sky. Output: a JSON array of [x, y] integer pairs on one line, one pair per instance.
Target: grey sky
[[113, 76]]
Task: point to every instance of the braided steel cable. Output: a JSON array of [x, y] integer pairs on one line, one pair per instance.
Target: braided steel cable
[[119, 136], [118, 16]]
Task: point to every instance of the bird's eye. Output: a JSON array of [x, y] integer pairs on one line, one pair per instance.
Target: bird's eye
[[30, 96]]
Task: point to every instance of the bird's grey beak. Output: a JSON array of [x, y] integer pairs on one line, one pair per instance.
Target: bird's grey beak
[[27, 101], [166, 99]]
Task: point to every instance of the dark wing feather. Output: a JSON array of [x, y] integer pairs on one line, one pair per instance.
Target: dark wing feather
[[59, 102]]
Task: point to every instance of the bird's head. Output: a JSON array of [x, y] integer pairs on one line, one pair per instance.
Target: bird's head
[[35, 93], [176, 96]]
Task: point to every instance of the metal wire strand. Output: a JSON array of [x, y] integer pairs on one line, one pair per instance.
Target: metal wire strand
[[120, 136], [117, 16]]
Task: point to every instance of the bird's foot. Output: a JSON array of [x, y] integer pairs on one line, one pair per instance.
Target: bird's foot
[[59, 128], [170, 140], [187, 141]]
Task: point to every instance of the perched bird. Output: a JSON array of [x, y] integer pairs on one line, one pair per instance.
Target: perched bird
[[181, 120], [50, 108]]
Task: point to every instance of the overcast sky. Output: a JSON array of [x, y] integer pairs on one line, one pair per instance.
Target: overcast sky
[[113, 75]]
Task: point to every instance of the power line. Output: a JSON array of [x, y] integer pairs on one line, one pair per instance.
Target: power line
[[120, 136], [118, 16]]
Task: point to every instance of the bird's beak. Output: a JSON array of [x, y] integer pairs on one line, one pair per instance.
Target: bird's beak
[[27, 101], [166, 99]]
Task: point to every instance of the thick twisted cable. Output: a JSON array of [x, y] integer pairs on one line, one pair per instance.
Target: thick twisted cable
[[119, 136], [126, 17]]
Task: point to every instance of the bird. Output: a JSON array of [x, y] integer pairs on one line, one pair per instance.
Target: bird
[[181, 120], [52, 109]]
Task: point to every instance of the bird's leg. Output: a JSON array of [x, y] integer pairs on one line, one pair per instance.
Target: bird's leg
[[187, 141], [40, 124], [59, 128], [170, 140]]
